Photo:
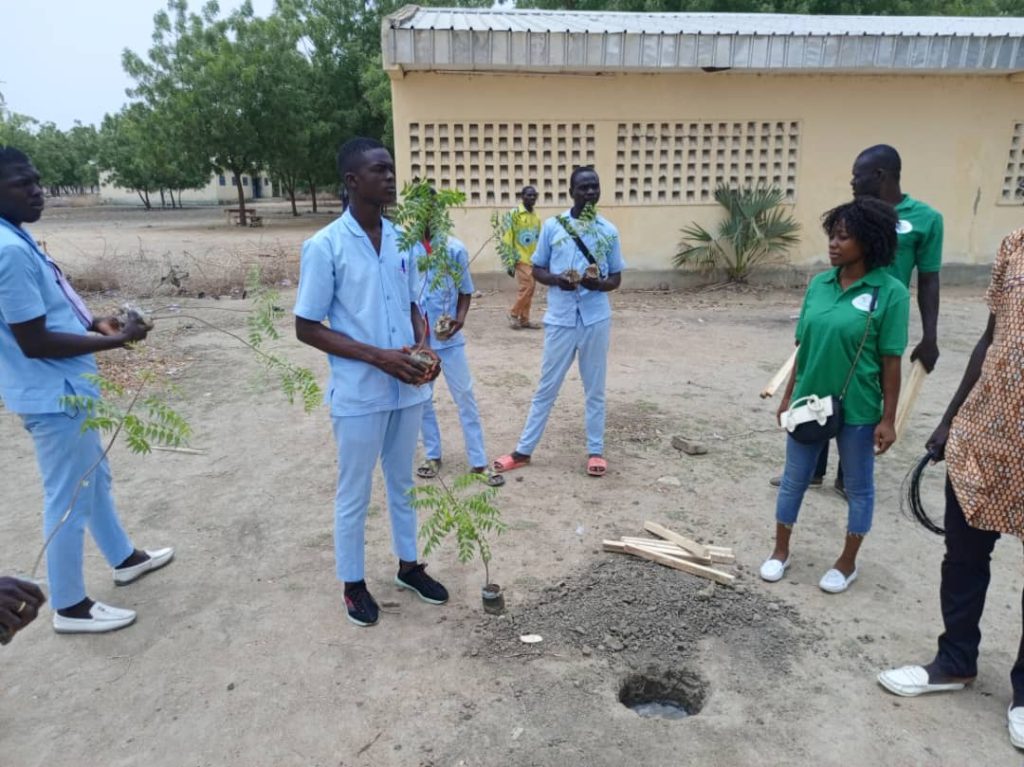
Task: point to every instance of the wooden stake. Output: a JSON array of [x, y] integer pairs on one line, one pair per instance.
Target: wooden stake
[[908, 397], [681, 564], [667, 547], [780, 377], [684, 543]]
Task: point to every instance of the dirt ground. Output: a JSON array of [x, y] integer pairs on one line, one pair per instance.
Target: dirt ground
[[242, 655]]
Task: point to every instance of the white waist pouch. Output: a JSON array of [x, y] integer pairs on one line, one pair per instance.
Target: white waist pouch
[[807, 409]]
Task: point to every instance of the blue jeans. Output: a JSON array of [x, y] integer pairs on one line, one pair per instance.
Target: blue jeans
[[455, 369], [390, 436], [857, 453], [64, 454], [561, 345]]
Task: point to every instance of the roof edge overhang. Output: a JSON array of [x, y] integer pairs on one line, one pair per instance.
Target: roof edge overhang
[[408, 47]]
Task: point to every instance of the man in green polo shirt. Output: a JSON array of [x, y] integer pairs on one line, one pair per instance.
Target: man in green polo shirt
[[876, 173]]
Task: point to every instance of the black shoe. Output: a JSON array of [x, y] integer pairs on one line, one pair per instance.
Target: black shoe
[[815, 481], [425, 587], [361, 607]]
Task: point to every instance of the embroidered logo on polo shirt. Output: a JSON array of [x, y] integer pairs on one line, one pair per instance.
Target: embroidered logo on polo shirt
[[904, 227], [862, 302]]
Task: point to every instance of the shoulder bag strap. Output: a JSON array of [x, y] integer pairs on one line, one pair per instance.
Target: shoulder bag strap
[[576, 238], [863, 340]]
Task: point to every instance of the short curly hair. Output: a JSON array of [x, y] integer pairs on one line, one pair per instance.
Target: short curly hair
[[872, 223]]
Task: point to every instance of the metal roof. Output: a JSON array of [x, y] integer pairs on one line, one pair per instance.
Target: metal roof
[[478, 39]]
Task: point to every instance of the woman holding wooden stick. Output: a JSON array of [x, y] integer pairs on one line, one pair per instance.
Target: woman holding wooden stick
[[851, 335]]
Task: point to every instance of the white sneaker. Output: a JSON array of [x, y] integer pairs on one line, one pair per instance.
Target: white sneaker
[[834, 582], [772, 570], [102, 618], [157, 559], [1015, 717]]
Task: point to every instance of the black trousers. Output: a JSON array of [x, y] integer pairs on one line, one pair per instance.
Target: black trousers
[[965, 579], [822, 467]]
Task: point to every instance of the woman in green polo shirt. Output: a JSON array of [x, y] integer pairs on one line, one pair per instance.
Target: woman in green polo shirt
[[858, 294]]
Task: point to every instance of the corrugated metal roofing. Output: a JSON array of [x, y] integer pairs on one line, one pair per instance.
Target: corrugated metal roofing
[[464, 39]]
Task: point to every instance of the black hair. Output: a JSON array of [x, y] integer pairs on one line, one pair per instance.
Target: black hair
[[872, 223], [883, 157], [351, 152], [9, 156], [577, 171], [525, 188]]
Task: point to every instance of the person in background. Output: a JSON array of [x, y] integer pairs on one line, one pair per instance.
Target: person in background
[[522, 237]]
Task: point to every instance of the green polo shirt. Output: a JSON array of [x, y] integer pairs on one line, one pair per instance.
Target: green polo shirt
[[919, 236], [832, 322]]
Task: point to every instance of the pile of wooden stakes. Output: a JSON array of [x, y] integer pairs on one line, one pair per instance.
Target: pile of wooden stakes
[[678, 552]]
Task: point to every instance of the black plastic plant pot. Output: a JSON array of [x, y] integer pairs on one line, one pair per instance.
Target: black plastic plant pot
[[493, 598]]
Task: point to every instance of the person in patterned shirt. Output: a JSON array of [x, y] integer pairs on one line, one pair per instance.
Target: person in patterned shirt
[[982, 441]]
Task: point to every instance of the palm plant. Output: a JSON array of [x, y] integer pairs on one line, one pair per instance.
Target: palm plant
[[756, 230]]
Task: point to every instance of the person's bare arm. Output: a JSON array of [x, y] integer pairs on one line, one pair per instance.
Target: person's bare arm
[[885, 432], [928, 303], [394, 362], [544, 277], [36, 341], [936, 443]]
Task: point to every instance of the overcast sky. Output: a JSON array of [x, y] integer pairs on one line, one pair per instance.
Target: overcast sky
[[60, 60]]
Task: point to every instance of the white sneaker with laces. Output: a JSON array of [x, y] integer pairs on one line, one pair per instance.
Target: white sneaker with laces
[[102, 618]]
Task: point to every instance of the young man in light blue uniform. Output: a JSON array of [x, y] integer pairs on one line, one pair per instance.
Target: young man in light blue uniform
[[354, 276], [47, 340], [448, 299], [578, 319]]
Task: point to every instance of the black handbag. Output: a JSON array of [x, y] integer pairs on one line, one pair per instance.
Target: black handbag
[[815, 431]]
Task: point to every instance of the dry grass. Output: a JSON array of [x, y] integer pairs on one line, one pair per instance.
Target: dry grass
[[144, 274]]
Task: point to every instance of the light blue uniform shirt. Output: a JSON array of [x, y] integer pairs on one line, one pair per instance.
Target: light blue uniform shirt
[[29, 289], [444, 299], [367, 297], [557, 252]]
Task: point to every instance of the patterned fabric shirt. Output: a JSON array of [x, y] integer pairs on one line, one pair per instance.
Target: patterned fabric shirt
[[985, 450]]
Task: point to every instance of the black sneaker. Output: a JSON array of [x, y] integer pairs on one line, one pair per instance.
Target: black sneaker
[[361, 607], [425, 587]]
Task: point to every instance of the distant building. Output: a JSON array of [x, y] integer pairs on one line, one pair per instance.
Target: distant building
[[220, 191], [666, 106]]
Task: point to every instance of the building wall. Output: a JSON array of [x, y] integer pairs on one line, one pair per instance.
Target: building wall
[[961, 139], [214, 193]]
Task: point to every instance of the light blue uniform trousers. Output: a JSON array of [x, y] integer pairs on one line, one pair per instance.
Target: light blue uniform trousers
[[561, 345], [65, 453], [455, 369], [390, 436]]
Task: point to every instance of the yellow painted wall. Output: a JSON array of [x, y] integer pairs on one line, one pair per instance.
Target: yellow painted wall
[[952, 132]]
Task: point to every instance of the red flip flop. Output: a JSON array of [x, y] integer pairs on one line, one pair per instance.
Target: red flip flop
[[596, 466], [508, 463]]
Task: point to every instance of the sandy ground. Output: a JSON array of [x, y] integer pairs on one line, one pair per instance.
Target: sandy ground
[[242, 656]]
